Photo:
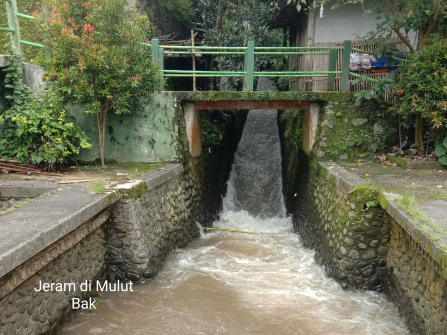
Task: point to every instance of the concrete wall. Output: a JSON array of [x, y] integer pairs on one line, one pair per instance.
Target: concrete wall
[[142, 232], [126, 235], [345, 22], [149, 135]]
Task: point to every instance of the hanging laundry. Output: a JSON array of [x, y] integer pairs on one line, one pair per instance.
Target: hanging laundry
[[354, 63], [360, 62], [382, 62]]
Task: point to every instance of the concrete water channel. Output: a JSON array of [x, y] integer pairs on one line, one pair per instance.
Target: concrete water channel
[[225, 283], [332, 253]]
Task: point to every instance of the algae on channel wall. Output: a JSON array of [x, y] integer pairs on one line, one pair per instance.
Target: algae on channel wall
[[350, 132]]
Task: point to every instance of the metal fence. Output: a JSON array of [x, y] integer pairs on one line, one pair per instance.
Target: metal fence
[[336, 55], [14, 27]]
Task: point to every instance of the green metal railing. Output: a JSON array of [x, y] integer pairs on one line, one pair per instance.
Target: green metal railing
[[250, 52], [14, 28]]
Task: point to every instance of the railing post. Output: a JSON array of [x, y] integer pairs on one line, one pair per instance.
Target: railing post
[[249, 66], [332, 67], [345, 66], [155, 50], [161, 57], [13, 21]]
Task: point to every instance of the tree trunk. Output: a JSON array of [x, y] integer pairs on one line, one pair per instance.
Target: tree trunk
[[419, 142], [220, 10], [101, 119]]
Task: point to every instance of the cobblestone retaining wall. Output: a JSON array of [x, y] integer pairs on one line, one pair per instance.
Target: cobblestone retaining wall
[[415, 284], [143, 231], [127, 242], [26, 311], [342, 220]]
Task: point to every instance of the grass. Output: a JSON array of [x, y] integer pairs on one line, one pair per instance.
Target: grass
[[16, 205], [443, 195], [99, 186], [410, 204], [139, 168], [93, 167]]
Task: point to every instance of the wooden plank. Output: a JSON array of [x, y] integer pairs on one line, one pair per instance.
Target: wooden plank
[[245, 105]]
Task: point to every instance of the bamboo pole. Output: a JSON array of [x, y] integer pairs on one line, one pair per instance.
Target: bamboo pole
[[194, 79], [77, 181], [230, 230]]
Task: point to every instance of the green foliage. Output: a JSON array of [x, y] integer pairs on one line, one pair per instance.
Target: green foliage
[[14, 88], [248, 21], [39, 131], [36, 128], [422, 86], [441, 152], [99, 186], [181, 11], [377, 91], [210, 133], [293, 120]]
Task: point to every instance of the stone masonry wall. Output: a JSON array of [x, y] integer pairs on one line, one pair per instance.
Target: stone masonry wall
[[416, 284], [346, 131], [340, 217], [145, 229], [26, 311]]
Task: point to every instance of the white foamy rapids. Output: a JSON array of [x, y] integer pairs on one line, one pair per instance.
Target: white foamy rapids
[[242, 284]]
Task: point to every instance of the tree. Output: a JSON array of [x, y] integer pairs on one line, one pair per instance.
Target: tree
[[99, 60], [422, 88], [236, 23]]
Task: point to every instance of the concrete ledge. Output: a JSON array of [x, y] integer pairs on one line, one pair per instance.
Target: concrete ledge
[[155, 178], [432, 246], [25, 189], [34, 227], [344, 180], [407, 163]]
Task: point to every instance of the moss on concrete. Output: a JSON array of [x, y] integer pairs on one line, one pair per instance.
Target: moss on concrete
[[135, 192], [398, 160], [383, 201], [341, 130], [264, 96]]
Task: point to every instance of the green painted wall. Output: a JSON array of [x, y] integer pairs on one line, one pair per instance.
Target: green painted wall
[[148, 136]]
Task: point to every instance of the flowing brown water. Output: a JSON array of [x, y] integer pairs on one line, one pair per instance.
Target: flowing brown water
[[239, 284]]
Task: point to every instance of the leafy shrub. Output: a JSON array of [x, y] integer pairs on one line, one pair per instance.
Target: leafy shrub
[[441, 152], [248, 21], [422, 86], [38, 130]]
